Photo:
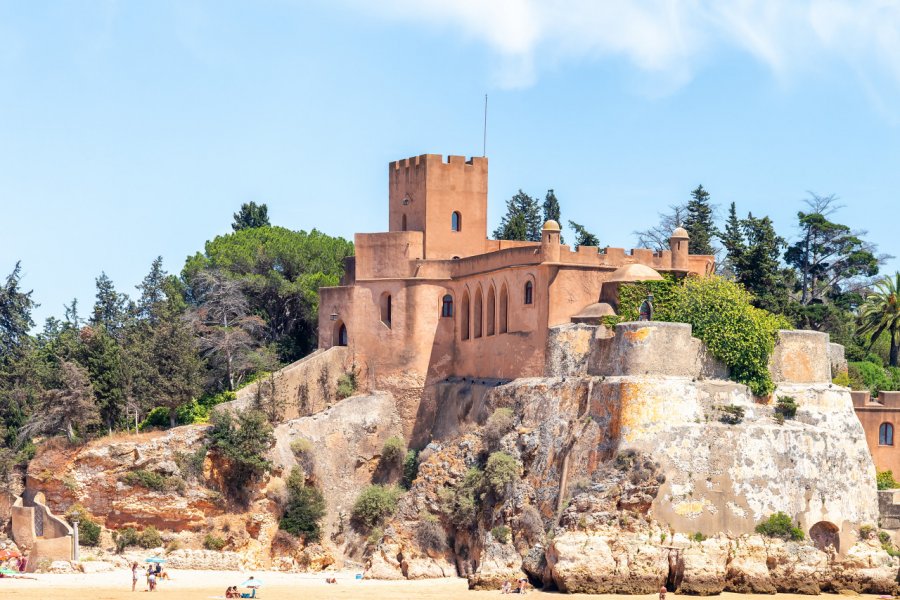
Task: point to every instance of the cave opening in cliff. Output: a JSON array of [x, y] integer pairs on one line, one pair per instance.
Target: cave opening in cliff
[[824, 534], [676, 570]]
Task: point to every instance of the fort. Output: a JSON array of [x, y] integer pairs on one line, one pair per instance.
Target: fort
[[433, 297]]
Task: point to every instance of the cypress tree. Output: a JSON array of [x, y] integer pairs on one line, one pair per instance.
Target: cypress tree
[[699, 222]]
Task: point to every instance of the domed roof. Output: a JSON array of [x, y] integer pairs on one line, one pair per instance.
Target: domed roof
[[680, 232], [551, 225], [593, 312], [634, 272]]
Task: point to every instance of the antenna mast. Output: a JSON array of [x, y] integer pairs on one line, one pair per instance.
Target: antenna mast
[[484, 141]]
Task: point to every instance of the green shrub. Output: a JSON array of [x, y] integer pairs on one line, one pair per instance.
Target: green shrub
[[393, 451], [158, 417], [149, 538], [498, 425], [375, 536], [842, 379], [243, 441], [303, 451], [501, 470], [698, 537], [88, 529], [885, 480], [375, 504], [786, 406], [866, 375], [304, 510], [124, 538], [191, 463], [346, 385], [781, 526], [501, 534], [430, 535], [732, 414], [461, 502], [721, 315], [146, 479], [212, 542], [410, 468], [866, 531]]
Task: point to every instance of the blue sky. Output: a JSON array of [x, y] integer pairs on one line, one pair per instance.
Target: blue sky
[[133, 129]]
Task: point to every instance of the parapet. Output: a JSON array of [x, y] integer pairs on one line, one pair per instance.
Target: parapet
[[801, 357], [654, 348], [434, 160]]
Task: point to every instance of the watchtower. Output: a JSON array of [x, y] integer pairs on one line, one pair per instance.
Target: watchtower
[[447, 201]]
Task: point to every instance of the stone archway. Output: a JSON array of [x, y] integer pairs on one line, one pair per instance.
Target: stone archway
[[824, 534]]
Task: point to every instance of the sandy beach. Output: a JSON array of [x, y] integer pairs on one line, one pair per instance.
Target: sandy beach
[[196, 585]]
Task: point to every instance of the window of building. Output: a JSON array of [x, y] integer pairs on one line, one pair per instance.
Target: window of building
[[490, 315], [403, 223], [464, 318], [456, 221], [386, 309], [477, 314], [529, 293], [447, 306], [886, 435], [503, 320]]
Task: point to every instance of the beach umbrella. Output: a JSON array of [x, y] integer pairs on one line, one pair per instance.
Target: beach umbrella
[[155, 559], [7, 554], [252, 583]]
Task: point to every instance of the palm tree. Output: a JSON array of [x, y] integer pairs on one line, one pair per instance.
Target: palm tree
[[881, 312]]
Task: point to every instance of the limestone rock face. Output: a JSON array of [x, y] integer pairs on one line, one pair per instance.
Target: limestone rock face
[[499, 563]]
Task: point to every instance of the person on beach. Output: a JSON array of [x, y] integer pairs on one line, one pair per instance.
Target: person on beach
[[507, 587], [523, 583], [134, 576], [151, 581], [662, 593]]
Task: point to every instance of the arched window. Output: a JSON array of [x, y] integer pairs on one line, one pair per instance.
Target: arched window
[[477, 314], [456, 221], [447, 306], [403, 223], [529, 292], [386, 309], [491, 313], [340, 334], [503, 320], [464, 318], [886, 435]]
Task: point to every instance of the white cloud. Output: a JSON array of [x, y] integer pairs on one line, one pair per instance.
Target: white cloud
[[669, 39]]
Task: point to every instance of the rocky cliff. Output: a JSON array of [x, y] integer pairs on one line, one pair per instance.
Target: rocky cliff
[[638, 464]]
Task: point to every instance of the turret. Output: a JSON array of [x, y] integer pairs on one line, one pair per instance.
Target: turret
[[678, 243], [550, 241]]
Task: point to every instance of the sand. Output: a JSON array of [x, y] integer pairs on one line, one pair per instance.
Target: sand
[[191, 585]]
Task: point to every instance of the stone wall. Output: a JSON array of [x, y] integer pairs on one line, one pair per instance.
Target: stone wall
[[6, 503], [889, 508], [304, 387], [569, 349], [801, 357]]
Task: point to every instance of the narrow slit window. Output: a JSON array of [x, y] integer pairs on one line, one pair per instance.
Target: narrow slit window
[[886, 435], [456, 221], [529, 293], [447, 306]]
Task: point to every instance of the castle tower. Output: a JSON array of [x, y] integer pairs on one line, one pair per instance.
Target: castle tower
[[447, 201], [678, 243], [550, 236]]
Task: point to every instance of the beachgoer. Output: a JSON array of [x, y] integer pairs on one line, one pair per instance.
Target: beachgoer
[[134, 576], [331, 580], [151, 581], [229, 593], [507, 587], [522, 584], [662, 593]]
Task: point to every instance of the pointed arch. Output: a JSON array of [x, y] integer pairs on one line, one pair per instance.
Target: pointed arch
[[503, 309], [529, 293], [464, 317], [340, 334], [490, 314], [477, 314]]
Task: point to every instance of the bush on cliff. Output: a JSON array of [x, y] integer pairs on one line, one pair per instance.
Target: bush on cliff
[[304, 510], [88, 529], [346, 385], [410, 468], [781, 526], [721, 316], [461, 502], [885, 480], [393, 451], [243, 442], [125, 537], [498, 425], [149, 538], [375, 504], [430, 535], [501, 471], [213, 542]]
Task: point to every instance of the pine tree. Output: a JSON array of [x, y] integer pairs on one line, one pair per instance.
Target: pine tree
[[250, 216], [699, 222], [176, 363], [110, 308], [759, 267], [153, 291], [583, 237], [522, 220], [551, 211], [733, 241]]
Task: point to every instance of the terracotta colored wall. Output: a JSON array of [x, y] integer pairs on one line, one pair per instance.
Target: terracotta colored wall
[[381, 255], [49, 550], [435, 190], [871, 417], [23, 526]]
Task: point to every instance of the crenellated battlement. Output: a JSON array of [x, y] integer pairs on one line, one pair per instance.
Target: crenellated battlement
[[398, 167]]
